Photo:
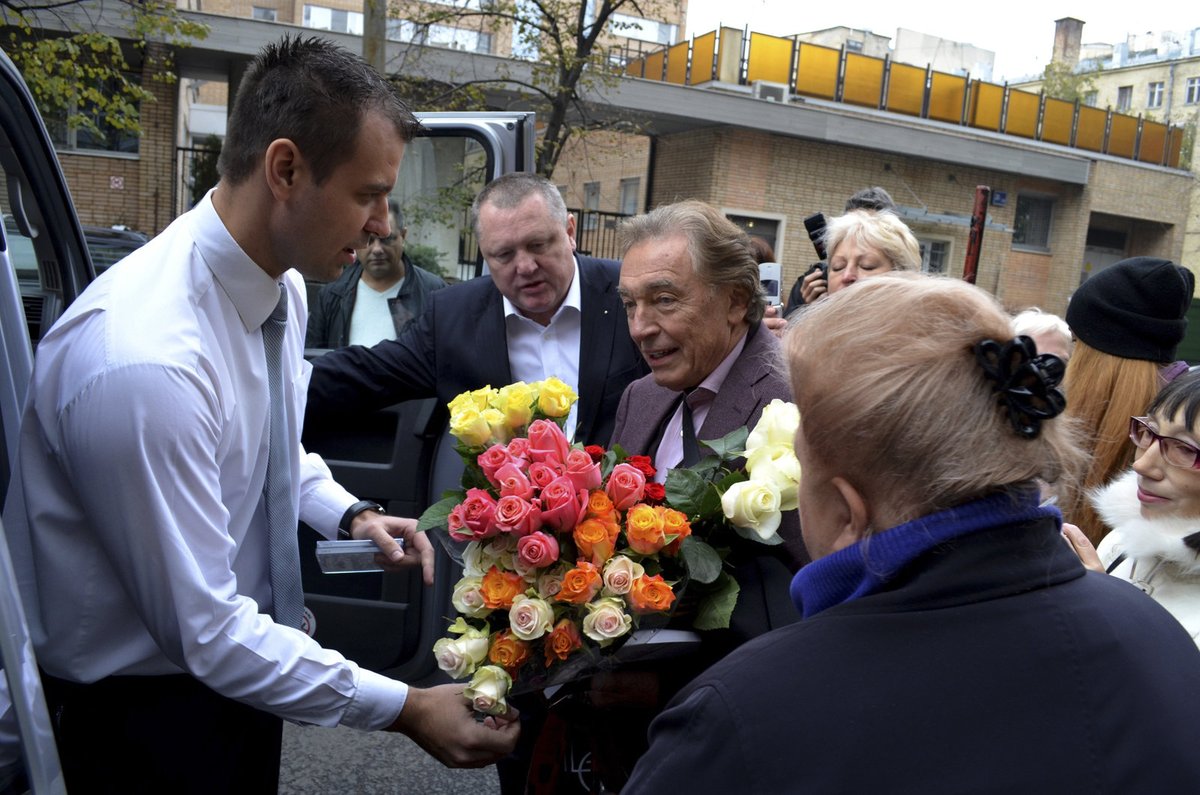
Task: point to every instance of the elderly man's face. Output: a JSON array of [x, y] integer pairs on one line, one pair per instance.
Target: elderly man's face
[[683, 326], [531, 255]]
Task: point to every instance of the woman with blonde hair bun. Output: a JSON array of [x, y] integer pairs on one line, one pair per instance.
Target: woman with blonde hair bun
[[950, 640]]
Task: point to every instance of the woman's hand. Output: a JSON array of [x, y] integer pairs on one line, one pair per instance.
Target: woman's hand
[[814, 285], [1082, 547]]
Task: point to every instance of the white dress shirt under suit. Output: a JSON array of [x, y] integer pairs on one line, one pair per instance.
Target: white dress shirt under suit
[[136, 512]]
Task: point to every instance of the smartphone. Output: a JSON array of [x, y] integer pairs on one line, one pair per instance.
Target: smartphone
[[819, 266], [769, 274]]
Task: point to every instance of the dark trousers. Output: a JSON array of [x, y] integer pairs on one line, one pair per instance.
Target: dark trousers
[[158, 734]]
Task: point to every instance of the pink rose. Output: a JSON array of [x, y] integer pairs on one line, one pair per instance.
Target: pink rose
[[518, 448], [563, 504], [537, 550], [582, 470], [547, 440], [512, 482], [456, 524], [491, 459], [517, 516], [478, 514], [626, 485], [543, 474]]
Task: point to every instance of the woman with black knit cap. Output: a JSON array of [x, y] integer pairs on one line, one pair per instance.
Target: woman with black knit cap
[[1127, 320]]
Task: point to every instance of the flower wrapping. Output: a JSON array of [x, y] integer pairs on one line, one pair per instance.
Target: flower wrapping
[[567, 550]]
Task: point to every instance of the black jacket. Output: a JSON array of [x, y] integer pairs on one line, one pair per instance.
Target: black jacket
[[992, 664], [459, 343], [329, 316]]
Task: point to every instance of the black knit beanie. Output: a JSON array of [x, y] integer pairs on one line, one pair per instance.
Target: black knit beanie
[[1135, 309]]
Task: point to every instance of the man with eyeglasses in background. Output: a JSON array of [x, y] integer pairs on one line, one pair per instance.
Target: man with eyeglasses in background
[[375, 298]]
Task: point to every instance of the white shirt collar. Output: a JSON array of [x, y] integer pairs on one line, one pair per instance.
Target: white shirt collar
[[254, 294]]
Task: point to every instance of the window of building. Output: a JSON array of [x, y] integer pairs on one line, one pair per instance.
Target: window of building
[[335, 19], [853, 45], [643, 29], [110, 139], [1031, 226], [264, 14], [591, 204], [439, 36], [934, 255], [766, 228], [1124, 97], [1091, 98], [1155, 98], [1193, 91], [629, 195]]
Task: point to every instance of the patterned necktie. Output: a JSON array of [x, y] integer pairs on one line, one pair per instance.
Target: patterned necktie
[[286, 591]]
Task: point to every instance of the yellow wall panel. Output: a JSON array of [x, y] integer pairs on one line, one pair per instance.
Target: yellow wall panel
[[634, 68], [946, 94], [677, 63], [770, 59], [906, 89], [703, 49], [863, 82], [1057, 118], [1175, 148], [1153, 143], [1022, 115], [1089, 134], [987, 102], [1122, 135], [817, 74], [654, 65]]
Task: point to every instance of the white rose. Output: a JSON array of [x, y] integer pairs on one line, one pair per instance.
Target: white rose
[[550, 583], [474, 560], [754, 505], [468, 598], [777, 425], [529, 618], [606, 620], [487, 690], [501, 551], [777, 464], [619, 574], [460, 656]]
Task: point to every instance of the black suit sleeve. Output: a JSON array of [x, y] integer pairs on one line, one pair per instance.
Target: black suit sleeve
[[317, 334], [360, 379]]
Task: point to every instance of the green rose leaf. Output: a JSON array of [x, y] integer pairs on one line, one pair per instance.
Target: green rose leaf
[[436, 515], [685, 490], [702, 561], [716, 607], [731, 445], [746, 532]]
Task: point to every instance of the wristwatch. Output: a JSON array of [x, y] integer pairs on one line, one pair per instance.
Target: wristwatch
[[353, 511]]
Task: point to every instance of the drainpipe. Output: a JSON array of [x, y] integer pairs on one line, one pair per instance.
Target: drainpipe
[[975, 239]]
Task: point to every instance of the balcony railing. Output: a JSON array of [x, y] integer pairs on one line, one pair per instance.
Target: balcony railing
[[779, 67]]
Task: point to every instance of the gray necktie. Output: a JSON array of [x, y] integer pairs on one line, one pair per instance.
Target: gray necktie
[[286, 591]]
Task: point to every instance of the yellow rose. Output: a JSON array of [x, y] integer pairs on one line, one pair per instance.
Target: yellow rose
[[487, 690], [497, 425], [777, 425], [777, 464], [555, 398], [515, 402], [476, 399], [754, 505], [470, 427]]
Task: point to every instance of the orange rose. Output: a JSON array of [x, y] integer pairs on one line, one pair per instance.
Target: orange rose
[[580, 584], [508, 651], [499, 588], [596, 539], [562, 640], [599, 505], [644, 529], [650, 595], [675, 523]]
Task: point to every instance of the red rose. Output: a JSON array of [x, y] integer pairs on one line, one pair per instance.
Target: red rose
[[655, 492], [643, 464], [595, 451]]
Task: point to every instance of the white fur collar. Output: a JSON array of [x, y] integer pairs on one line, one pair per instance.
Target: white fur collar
[[1118, 505]]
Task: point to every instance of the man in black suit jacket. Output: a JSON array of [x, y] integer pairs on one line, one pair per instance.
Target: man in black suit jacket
[[472, 334]]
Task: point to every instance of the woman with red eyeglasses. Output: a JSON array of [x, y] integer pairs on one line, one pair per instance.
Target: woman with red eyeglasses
[[1153, 509]]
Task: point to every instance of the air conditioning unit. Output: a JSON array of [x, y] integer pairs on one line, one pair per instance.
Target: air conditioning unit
[[775, 92]]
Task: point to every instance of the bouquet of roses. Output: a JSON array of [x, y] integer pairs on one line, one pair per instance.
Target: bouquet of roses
[[566, 550]]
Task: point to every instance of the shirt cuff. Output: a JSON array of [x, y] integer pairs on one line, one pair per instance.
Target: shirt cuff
[[377, 702]]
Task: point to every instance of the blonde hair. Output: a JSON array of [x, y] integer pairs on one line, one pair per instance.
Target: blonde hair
[[1103, 392], [1033, 321], [907, 414], [881, 230]]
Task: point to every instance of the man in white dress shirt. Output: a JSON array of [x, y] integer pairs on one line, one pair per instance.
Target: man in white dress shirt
[[137, 517]]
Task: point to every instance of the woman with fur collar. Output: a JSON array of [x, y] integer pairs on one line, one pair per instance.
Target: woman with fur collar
[[1153, 509]]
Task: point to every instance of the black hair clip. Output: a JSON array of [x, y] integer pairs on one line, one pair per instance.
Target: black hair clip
[[1025, 382]]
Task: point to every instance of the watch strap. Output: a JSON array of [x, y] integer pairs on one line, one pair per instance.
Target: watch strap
[[353, 511]]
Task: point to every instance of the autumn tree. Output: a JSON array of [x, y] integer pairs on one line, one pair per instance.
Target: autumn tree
[[1061, 80], [563, 50], [81, 75]]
